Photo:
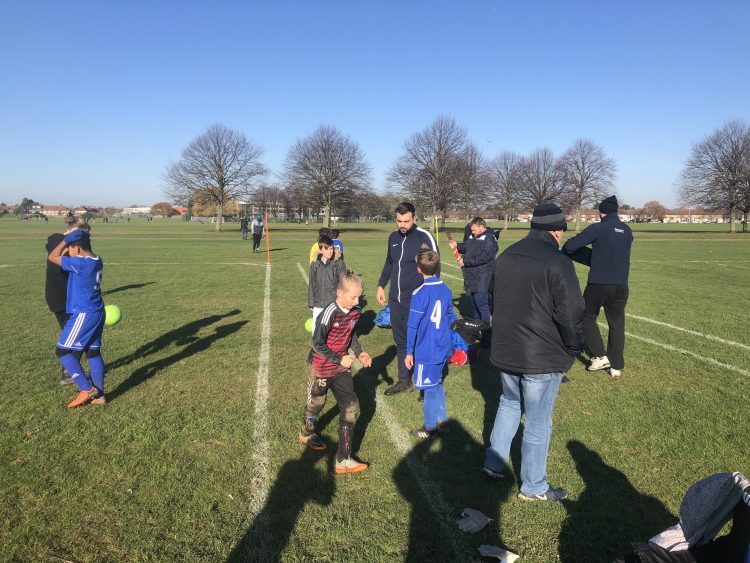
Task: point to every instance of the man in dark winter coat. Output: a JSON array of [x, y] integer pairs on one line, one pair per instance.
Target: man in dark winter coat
[[536, 334], [400, 269], [609, 259], [478, 263]]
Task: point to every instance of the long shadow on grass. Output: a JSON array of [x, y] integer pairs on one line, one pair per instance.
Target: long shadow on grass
[[297, 483], [366, 381], [451, 461], [127, 287], [186, 334], [196, 346], [609, 514]]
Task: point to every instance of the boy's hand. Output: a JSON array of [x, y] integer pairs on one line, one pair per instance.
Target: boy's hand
[[75, 235], [366, 360], [409, 361], [347, 361]]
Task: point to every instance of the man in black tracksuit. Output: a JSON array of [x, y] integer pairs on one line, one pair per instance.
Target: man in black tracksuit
[[400, 269], [609, 259]]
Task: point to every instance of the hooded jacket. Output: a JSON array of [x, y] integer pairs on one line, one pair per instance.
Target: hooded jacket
[[324, 279], [538, 308]]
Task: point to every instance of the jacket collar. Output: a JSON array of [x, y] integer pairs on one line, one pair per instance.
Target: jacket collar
[[543, 236], [611, 217]]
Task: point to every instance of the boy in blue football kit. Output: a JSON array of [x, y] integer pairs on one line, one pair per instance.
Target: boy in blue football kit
[[83, 330], [428, 340]]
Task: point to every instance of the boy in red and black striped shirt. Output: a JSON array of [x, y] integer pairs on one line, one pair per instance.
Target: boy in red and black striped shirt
[[329, 366]]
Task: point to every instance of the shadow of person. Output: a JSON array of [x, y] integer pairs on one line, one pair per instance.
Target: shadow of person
[[366, 323], [148, 371], [609, 514], [464, 305], [298, 482], [485, 378], [450, 463], [180, 336], [366, 381], [127, 287]]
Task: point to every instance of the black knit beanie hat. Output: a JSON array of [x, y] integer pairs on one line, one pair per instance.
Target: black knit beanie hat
[[548, 217], [609, 205]]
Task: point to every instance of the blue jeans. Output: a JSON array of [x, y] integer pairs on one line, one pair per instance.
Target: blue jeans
[[534, 395]]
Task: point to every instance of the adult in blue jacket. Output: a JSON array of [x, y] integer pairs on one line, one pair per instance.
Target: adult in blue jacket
[[478, 263], [609, 259], [400, 270]]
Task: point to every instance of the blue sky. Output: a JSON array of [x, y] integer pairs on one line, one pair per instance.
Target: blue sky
[[97, 98]]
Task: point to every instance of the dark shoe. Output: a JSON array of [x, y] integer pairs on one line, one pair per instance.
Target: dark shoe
[[424, 432], [420, 399], [398, 388], [313, 442], [65, 379], [492, 474], [551, 494]]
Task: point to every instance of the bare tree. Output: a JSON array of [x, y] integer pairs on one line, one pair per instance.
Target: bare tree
[[587, 174], [717, 168], [505, 177], [653, 211], [328, 167], [217, 168], [541, 180], [429, 169], [473, 181]]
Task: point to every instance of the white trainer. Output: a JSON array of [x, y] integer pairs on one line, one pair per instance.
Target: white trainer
[[602, 362], [614, 373]]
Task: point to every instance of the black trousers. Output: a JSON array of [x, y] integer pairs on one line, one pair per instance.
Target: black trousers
[[399, 318], [613, 298], [256, 240]]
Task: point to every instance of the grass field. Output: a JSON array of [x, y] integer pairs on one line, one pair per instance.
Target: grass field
[[188, 462]]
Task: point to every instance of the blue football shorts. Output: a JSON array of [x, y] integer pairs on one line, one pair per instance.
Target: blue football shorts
[[82, 331], [427, 375]]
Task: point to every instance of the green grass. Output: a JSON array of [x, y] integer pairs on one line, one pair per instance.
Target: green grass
[[165, 471]]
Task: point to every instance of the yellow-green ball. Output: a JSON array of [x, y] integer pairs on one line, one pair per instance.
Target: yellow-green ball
[[112, 315], [309, 325]]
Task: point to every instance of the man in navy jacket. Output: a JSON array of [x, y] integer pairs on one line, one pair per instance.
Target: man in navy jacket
[[400, 269], [478, 263], [609, 259]]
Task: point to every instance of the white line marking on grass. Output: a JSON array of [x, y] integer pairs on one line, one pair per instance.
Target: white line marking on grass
[[302, 271], [261, 465], [449, 264], [450, 276], [685, 352], [430, 491], [688, 331]]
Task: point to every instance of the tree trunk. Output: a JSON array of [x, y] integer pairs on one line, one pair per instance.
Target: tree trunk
[[732, 226], [505, 228], [219, 216], [578, 218], [327, 216], [744, 220]]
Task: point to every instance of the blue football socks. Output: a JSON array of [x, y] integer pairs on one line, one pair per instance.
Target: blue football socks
[[73, 366], [96, 366]]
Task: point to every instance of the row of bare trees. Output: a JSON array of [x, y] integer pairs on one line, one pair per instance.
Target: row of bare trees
[[439, 169], [717, 172]]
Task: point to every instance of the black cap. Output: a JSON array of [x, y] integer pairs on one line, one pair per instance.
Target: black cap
[[548, 217], [609, 205]]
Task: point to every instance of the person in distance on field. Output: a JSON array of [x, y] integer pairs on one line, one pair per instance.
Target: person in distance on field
[[609, 259], [329, 367]]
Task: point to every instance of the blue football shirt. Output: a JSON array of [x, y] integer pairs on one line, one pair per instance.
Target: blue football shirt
[[84, 283], [430, 317]]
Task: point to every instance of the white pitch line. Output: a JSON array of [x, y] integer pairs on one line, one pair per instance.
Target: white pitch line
[[261, 468], [688, 331], [302, 271], [686, 352], [431, 492]]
